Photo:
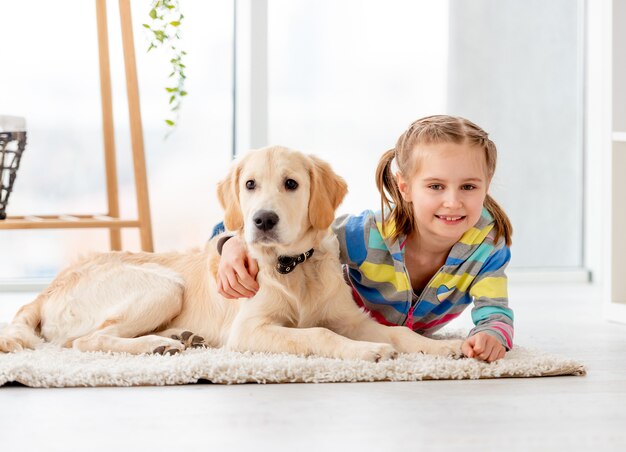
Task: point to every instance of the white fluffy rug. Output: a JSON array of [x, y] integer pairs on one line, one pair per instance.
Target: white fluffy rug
[[51, 366]]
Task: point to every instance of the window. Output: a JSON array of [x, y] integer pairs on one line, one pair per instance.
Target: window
[[50, 76], [346, 79]]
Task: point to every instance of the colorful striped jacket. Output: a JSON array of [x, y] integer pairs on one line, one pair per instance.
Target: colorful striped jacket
[[473, 271]]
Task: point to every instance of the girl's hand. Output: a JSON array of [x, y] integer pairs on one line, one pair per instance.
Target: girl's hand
[[236, 272], [483, 346]]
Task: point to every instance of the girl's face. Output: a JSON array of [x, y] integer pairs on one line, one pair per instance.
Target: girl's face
[[447, 191]]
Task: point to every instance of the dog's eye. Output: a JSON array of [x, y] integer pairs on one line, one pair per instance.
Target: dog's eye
[[250, 185], [291, 184]]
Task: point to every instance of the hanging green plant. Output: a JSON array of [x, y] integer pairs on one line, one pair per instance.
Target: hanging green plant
[[164, 31]]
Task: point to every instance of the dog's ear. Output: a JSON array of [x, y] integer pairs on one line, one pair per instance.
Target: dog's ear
[[228, 195], [327, 191]]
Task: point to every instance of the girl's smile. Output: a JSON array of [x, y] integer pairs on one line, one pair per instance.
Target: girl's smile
[[451, 220]]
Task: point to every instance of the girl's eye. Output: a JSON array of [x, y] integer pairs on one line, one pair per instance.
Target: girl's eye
[[468, 187], [436, 186], [250, 185], [291, 184]]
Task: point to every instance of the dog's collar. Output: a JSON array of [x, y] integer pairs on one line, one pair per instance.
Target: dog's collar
[[286, 264]]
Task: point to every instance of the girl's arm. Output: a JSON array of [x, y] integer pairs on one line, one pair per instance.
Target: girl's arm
[[352, 232], [236, 272], [491, 313], [339, 228]]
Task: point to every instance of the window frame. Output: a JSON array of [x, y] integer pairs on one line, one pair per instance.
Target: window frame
[[253, 108], [250, 130]]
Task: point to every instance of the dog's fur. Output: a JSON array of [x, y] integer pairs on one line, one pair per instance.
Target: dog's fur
[[152, 302]]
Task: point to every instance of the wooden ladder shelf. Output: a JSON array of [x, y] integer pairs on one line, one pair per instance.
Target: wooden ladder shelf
[[110, 220]]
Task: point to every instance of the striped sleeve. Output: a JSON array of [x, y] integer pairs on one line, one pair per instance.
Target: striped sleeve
[[351, 231], [491, 313]]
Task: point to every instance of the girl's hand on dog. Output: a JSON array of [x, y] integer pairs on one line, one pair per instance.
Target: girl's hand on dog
[[484, 347], [236, 273]]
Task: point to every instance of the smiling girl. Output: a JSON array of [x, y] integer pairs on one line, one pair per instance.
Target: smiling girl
[[439, 243]]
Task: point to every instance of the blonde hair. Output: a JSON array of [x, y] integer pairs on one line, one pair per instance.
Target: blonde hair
[[433, 130]]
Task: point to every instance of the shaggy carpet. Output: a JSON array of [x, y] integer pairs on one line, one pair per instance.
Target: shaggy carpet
[[52, 366]]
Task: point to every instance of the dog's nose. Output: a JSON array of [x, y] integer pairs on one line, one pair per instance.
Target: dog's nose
[[265, 220]]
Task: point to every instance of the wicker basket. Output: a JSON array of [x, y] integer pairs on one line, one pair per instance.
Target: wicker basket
[[12, 145]]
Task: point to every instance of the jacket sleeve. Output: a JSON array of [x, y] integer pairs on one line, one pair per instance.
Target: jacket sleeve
[[352, 232], [339, 228], [491, 313], [218, 229]]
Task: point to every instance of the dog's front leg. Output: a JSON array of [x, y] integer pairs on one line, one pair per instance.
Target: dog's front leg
[[304, 341], [364, 328]]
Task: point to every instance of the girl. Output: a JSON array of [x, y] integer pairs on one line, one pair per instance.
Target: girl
[[439, 242]]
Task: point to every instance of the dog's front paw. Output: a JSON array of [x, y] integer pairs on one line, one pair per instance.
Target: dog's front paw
[[373, 352], [450, 348]]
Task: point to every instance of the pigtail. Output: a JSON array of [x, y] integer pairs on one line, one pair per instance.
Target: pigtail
[[384, 181], [502, 224], [391, 200]]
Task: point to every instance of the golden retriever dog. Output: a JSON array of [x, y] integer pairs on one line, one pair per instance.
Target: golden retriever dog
[[282, 203]]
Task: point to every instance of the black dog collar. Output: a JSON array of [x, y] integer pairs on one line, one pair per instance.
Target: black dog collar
[[286, 264]]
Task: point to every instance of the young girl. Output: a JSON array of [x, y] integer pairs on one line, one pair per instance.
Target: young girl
[[439, 242]]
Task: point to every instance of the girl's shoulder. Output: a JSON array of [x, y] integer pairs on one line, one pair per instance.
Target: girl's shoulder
[[368, 223], [482, 232], [479, 242], [351, 221], [359, 234]]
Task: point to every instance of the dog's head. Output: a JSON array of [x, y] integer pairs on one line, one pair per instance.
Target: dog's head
[[276, 195]]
